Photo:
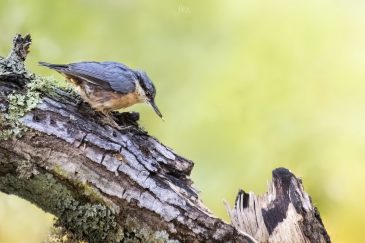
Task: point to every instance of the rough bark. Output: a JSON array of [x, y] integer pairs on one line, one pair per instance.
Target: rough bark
[[284, 214], [106, 184]]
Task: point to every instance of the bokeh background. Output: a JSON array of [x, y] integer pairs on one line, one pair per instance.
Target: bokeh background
[[245, 86]]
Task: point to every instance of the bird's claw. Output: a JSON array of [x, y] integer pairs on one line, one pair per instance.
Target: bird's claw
[[108, 120]]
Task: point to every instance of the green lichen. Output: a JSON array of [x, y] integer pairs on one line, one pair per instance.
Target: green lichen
[[87, 190], [134, 230], [26, 169], [19, 103], [93, 222], [83, 219], [59, 234], [82, 213], [140, 232]]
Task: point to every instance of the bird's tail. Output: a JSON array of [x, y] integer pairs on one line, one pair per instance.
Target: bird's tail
[[57, 67]]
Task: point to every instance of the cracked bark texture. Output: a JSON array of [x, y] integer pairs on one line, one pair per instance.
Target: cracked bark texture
[[103, 184]]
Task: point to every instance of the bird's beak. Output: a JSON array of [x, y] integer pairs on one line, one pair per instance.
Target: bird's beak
[[154, 106]]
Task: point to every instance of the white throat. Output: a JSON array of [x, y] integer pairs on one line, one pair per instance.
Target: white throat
[[141, 94]]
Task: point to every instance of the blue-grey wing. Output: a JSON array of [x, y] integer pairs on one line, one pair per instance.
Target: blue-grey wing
[[109, 75]]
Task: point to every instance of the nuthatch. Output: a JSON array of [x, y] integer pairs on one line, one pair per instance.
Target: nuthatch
[[108, 86]]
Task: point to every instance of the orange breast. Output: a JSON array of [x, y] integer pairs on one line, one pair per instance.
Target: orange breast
[[106, 101]]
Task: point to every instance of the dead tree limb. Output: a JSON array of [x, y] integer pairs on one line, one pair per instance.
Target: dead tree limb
[[284, 214], [108, 185]]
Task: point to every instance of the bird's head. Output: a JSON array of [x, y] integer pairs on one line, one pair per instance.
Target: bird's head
[[149, 91]]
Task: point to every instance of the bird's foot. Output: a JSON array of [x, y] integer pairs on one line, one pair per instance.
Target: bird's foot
[[108, 120]]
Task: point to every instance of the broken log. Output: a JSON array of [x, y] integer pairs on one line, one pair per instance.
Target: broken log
[[113, 185]]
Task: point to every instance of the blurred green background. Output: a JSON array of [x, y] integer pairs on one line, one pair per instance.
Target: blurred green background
[[245, 86]]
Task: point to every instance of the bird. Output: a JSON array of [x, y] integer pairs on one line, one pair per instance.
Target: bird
[[108, 86]]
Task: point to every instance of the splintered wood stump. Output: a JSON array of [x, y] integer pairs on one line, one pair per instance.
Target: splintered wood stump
[[113, 185], [284, 214]]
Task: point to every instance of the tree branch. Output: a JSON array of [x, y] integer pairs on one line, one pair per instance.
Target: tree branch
[[103, 184]]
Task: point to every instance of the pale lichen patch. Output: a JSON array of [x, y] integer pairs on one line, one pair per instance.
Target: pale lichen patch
[[21, 102], [144, 233], [26, 169]]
